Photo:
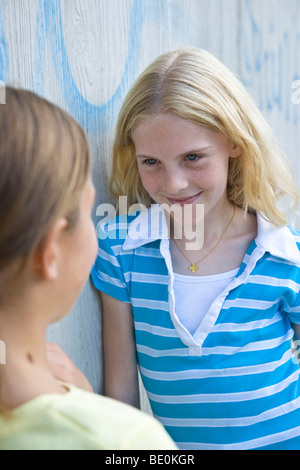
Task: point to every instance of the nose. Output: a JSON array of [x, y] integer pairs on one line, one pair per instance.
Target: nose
[[175, 181]]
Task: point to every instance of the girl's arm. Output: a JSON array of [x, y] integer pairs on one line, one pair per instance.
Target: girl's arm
[[120, 364]]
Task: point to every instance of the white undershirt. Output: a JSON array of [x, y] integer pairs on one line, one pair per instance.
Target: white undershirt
[[194, 295]]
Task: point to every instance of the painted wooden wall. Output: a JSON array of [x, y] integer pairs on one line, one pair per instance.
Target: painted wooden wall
[[85, 54]]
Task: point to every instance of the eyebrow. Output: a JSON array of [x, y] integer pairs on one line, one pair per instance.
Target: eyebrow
[[189, 152]]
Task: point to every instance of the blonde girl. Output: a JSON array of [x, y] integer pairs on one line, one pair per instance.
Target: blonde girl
[[47, 247], [211, 328]]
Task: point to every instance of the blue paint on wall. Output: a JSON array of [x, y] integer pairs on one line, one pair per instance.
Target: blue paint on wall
[[271, 60], [4, 64], [252, 55], [50, 35], [264, 60], [40, 50]]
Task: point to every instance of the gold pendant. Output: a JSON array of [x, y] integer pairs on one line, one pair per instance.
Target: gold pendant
[[193, 268]]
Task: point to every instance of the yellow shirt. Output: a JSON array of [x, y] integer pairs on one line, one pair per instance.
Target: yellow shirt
[[80, 420]]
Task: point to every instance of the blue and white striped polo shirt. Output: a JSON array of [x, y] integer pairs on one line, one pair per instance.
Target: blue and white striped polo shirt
[[235, 383]]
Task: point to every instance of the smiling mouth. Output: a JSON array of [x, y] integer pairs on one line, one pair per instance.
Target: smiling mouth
[[187, 200]]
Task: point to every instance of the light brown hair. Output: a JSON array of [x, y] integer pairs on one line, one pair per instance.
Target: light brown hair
[[44, 165]]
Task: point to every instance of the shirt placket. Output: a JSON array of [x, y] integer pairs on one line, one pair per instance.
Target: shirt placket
[[195, 342]]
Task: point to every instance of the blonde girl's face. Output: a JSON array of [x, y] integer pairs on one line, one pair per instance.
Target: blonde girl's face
[[182, 163]]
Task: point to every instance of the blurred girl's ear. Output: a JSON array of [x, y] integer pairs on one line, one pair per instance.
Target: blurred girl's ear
[[47, 257]]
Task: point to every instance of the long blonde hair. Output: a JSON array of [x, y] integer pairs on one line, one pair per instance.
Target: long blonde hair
[[194, 85], [44, 166]]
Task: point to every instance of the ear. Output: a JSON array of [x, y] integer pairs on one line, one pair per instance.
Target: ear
[[47, 257], [235, 151]]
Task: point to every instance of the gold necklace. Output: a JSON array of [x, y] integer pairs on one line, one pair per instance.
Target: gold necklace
[[194, 266]]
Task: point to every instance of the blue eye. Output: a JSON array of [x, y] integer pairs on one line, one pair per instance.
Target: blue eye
[[150, 161], [192, 157]]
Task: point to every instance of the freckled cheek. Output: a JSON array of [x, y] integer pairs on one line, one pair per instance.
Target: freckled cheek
[[150, 182], [207, 177]]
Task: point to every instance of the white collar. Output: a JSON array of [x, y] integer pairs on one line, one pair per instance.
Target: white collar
[[151, 224], [278, 241]]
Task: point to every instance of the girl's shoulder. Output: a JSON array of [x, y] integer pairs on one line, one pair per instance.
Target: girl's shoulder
[[115, 228], [144, 224], [124, 234]]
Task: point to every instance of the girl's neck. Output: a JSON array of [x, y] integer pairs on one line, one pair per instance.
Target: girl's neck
[[216, 257], [26, 373], [211, 224], [216, 221]]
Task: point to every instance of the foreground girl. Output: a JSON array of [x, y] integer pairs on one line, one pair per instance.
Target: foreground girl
[[47, 248]]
